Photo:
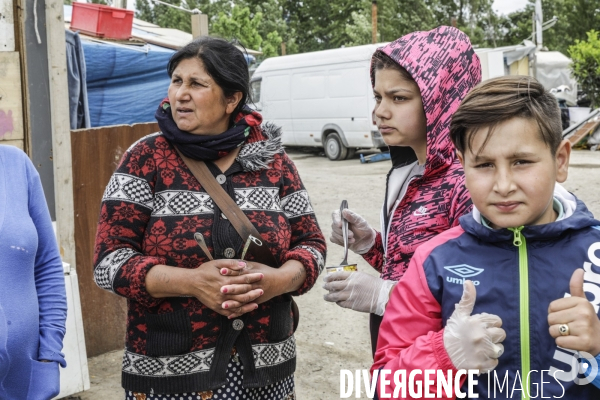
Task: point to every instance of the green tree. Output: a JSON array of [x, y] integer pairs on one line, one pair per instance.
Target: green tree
[[274, 24], [575, 19], [239, 26], [359, 31], [586, 65], [271, 45], [320, 24], [397, 18], [252, 22], [168, 17], [474, 17]]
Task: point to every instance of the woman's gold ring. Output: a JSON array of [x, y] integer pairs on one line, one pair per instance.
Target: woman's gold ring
[[563, 329]]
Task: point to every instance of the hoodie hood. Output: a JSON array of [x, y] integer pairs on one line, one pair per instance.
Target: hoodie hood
[[445, 67]]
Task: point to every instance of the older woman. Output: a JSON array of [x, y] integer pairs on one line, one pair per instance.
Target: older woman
[[200, 329]]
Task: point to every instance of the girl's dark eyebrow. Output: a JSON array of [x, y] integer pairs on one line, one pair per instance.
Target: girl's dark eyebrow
[[391, 92]]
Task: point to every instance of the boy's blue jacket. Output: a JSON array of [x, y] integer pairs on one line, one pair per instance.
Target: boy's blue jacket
[[517, 283]]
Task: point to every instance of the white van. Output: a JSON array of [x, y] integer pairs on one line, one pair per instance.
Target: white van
[[321, 99]]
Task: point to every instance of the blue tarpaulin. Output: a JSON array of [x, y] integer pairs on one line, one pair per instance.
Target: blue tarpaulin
[[125, 84]]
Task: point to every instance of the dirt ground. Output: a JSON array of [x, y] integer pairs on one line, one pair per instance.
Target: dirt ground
[[331, 338]]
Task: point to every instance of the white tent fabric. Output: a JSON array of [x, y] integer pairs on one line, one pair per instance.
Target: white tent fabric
[[515, 53], [553, 69]]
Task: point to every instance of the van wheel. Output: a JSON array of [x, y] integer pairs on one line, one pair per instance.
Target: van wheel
[[334, 148]]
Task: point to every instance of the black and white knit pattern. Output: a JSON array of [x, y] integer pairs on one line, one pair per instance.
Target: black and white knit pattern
[[232, 390], [104, 273], [270, 354], [265, 355], [258, 198], [185, 202], [123, 187], [182, 202], [297, 204], [318, 256], [138, 364]]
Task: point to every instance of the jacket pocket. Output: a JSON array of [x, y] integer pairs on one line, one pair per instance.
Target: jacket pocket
[[44, 380], [281, 322], [169, 333]]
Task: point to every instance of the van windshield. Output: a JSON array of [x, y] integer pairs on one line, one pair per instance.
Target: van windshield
[[255, 90]]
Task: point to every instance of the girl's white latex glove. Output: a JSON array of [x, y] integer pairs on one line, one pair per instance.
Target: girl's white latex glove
[[473, 341], [361, 237], [358, 291]]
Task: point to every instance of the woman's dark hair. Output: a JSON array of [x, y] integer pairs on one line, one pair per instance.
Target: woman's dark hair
[[224, 62], [380, 61], [497, 100]]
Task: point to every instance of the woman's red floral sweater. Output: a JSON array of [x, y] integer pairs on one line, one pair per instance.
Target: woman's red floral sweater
[[150, 211]]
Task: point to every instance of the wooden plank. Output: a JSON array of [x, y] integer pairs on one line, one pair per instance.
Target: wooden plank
[[16, 143], [199, 25], [7, 26], [11, 102], [582, 132], [19, 23], [96, 154], [61, 141]]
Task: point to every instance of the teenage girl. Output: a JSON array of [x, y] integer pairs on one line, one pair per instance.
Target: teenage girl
[[418, 82]]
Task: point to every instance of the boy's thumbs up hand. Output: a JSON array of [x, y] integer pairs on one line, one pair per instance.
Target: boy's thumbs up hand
[[467, 301], [576, 284], [577, 316], [473, 341]]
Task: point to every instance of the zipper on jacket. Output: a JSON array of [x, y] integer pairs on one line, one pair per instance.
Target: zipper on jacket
[[520, 242], [386, 229]]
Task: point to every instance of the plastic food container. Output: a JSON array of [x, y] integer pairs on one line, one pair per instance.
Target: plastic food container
[[102, 21], [340, 268]]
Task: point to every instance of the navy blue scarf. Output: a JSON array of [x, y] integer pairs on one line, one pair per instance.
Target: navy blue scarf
[[204, 147]]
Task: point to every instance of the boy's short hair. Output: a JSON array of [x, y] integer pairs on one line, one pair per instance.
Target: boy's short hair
[[501, 99]]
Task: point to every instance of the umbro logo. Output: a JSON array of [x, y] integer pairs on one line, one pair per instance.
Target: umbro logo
[[421, 212], [464, 271]]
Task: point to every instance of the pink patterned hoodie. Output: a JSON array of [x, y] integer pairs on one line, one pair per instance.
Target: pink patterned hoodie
[[445, 67]]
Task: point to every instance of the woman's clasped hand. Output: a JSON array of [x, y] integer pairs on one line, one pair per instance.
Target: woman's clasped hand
[[253, 283], [227, 287]]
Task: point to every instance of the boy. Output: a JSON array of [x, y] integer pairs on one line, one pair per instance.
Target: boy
[[522, 248]]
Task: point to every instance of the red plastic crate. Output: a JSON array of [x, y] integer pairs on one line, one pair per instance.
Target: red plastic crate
[[102, 21]]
